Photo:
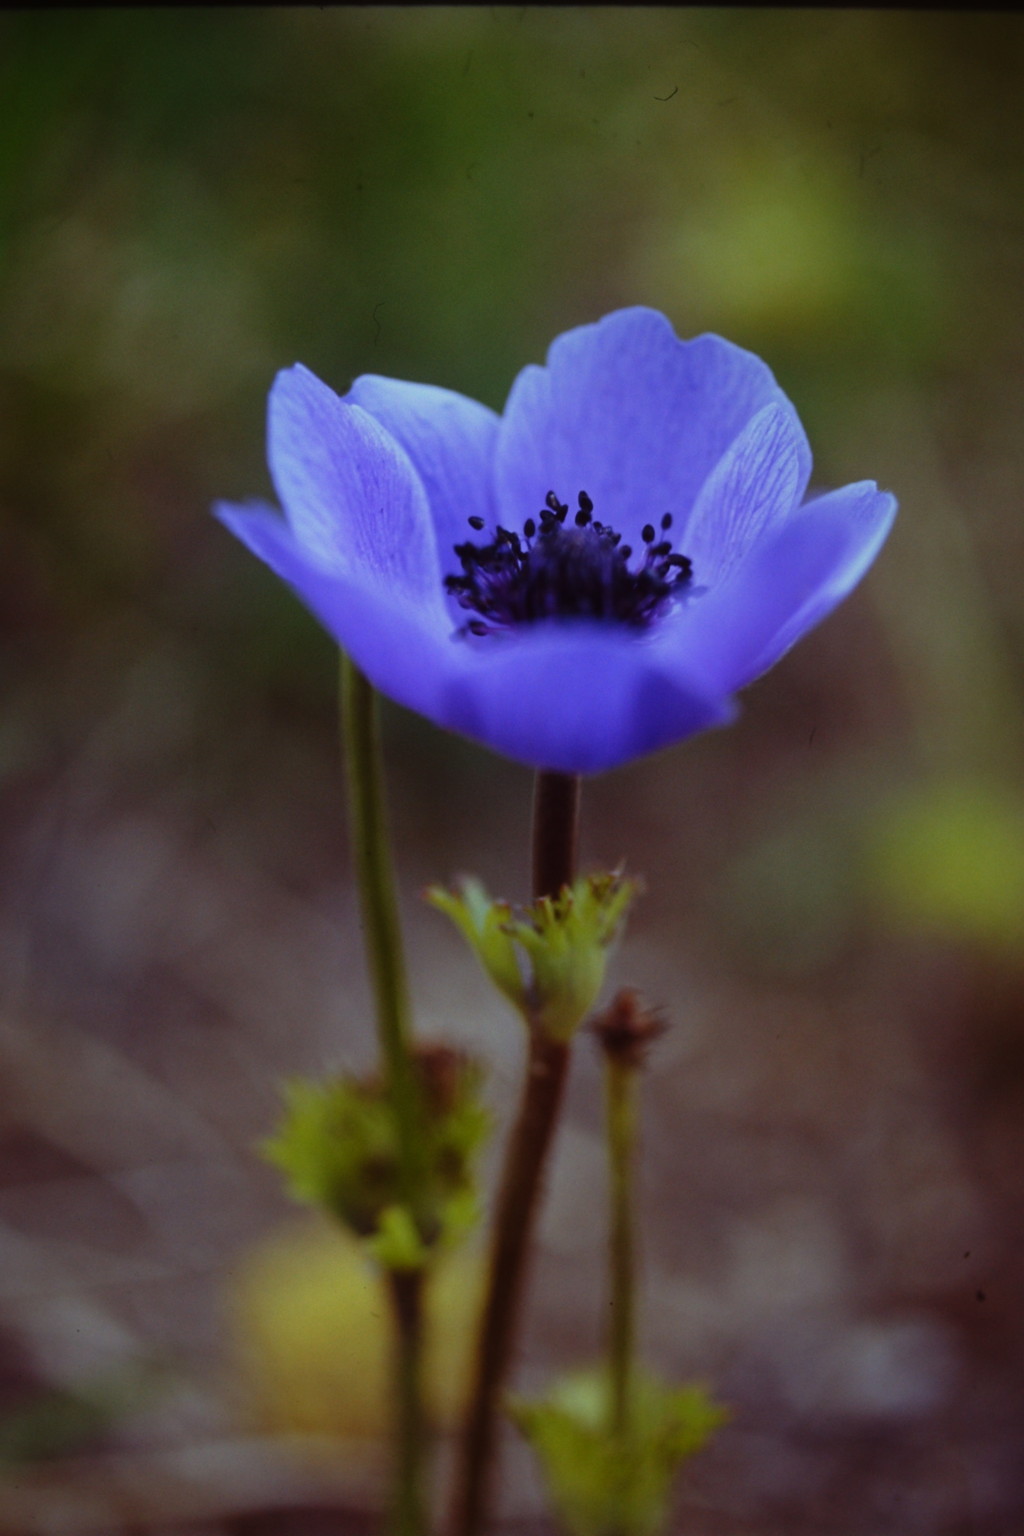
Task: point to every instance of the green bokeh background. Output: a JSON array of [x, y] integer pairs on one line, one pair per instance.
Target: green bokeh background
[[191, 199]]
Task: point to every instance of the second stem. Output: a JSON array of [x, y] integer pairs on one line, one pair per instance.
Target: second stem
[[380, 924], [620, 1101], [383, 937]]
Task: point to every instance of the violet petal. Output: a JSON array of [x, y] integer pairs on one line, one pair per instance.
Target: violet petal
[[350, 493], [450, 442], [629, 413]]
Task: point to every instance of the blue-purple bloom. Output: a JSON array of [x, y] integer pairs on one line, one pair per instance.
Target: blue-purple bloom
[[586, 578]]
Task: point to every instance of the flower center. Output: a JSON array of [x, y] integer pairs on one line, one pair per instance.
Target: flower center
[[566, 570]]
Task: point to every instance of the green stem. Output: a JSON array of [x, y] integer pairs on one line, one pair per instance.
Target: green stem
[[408, 1513], [383, 937], [555, 826], [380, 923], [620, 1102]]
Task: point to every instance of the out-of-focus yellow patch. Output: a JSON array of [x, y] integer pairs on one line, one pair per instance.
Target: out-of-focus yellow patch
[[951, 860], [311, 1328], [769, 247]]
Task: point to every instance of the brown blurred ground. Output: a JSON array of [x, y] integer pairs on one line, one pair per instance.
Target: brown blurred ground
[[833, 1173]]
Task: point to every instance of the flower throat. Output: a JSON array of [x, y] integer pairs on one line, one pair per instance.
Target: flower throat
[[566, 570]]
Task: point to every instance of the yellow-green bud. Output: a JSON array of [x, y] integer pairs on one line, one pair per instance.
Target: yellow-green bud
[[548, 959], [602, 1483], [337, 1147]]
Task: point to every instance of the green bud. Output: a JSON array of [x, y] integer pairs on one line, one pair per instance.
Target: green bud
[[549, 959], [396, 1244], [338, 1149], [483, 923], [604, 1484]]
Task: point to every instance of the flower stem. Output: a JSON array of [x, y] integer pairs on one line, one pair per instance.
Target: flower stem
[[556, 818], [381, 928], [408, 1512], [555, 829], [383, 937], [620, 1111]]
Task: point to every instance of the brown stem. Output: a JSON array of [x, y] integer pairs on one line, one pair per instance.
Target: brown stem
[[555, 822], [408, 1513], [620, 1098], [556, 816], [513, 1227]]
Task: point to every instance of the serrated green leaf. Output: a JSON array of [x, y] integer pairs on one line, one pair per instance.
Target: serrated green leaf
[[608, 1484]]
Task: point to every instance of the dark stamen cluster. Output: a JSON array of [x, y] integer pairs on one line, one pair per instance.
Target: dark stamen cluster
[[562, 569]]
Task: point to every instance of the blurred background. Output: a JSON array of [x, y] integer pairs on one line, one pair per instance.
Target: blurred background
[[833, 1172]]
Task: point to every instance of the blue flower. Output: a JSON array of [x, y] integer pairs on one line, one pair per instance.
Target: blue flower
[[586, 578]]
